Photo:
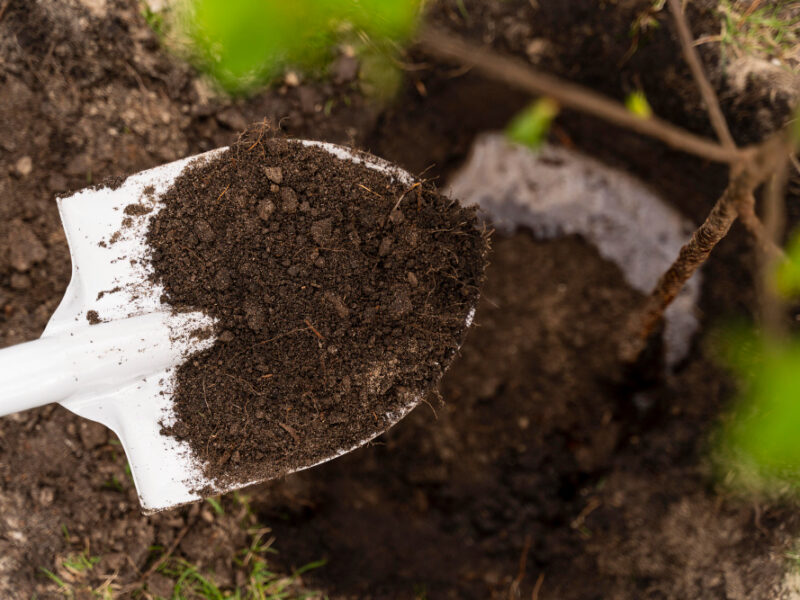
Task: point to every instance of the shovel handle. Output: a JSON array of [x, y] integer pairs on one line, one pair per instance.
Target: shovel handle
[[33, 374], [89, 359]]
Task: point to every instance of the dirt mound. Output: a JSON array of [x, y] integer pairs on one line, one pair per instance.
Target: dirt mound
[[342, 294]]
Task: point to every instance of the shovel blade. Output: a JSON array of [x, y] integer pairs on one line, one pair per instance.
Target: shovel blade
[[106, 231], [111, 283]]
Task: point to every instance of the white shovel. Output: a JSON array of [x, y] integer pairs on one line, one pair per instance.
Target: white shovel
[[120, 372]]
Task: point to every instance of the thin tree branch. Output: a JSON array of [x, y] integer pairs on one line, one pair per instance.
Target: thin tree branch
[[691, 256], [519, 74], [3, 9], [749, 218], [706, 91], [758, 164], [795, 162]]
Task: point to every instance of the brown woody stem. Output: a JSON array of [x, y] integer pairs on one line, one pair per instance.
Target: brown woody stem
[[521, 75], [758, 164]]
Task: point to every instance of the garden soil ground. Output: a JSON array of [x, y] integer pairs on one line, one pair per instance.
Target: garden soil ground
[[545, 469]]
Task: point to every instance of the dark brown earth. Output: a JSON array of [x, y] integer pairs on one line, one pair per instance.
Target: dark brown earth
[[538, 458], [624, 506], [341, 295]]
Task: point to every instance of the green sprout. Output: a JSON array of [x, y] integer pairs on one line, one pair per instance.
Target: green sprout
[[637, 103], [54, 578], [154, 19], [531, 126], [80, 562], [262, 583], [71, 570], [215, 504]]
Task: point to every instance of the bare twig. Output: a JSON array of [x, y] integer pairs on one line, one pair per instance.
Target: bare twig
[[3, 9], [706, 91], [538, 587], [513, 590], [751, 9], [521, 75], [749, 218], [691, 256], [752, 171], [795, 162]]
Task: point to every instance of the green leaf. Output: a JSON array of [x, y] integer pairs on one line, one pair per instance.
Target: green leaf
[[637, 103], [245, 43], [55, 578], [760, 441], [215, 504], [531, 126]]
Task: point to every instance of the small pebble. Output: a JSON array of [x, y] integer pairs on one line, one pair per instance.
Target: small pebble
[[401, 303], [292, 79], [274, 174], [265, 209], [385, 247], [321, 231], [20, 281], [204, 231], [289, 200], [222, 280], [24, 166], [338, 305]]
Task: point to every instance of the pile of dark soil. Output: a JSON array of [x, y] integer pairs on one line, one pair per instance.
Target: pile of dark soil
[[341, 294]]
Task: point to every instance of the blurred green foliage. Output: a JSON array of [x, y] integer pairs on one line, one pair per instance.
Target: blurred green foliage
[[531, 126], [761, 440], [246, 43]]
